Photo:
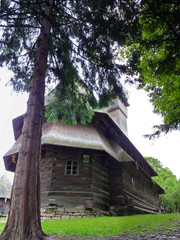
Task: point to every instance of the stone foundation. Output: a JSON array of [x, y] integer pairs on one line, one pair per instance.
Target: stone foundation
[[48, 213], [55, 212]]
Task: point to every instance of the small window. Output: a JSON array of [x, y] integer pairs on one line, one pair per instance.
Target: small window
[[14, 158], [86, 158], [71, 168], [133, 182]]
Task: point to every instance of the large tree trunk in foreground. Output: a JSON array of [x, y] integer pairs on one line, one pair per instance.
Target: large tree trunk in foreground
[[24, 216]]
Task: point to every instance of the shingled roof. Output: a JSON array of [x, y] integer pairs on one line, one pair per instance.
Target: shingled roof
[[102, 134]]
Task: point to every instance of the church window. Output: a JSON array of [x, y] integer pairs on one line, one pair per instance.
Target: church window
[[86, 158], [133, 182], [71, 168]]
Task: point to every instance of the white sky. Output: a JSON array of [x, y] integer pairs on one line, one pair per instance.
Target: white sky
[[140, 122]]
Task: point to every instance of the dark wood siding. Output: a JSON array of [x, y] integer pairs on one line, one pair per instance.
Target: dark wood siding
[[90, 184], [117, 197], [100, 181], [139, 187]]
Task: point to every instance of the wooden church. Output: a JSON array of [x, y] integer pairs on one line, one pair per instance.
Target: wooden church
[[5, 195], [91, 170]]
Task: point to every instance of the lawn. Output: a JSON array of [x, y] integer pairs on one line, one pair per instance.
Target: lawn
[[110, 226]]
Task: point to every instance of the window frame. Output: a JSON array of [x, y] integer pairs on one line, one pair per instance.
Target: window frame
[[133, 182], [71, 168], [86, 158]]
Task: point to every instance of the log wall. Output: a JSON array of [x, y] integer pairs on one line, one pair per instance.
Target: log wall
[[117, 197], [86, 193], [100, 181], [139, 188], [64, 189], [103, 186]]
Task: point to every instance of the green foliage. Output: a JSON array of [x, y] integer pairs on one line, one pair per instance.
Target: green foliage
[[154, 55], [168, 181], [82, 42], [73, 108]]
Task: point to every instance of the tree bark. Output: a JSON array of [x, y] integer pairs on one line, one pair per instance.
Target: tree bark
[[24, 216]]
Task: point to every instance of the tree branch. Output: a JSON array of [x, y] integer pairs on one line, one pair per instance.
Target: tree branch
[[19, 26]]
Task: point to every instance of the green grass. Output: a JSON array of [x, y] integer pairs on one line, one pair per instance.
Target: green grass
[[2, 225], [110, 226]]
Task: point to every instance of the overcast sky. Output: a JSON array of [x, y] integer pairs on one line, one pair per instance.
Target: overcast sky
[[140, 121]]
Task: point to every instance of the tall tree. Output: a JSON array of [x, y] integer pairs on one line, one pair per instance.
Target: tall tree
[[70, 43], [169, 182], [154, 55], [24, 215]]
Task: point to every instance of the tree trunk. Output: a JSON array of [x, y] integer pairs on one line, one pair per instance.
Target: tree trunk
[[24, 216]]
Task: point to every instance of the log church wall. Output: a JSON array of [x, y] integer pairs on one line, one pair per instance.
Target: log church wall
[[83, 194]]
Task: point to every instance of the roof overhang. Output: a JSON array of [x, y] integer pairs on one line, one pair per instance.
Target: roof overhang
[[77, 136], [102, 134], [112, 131]]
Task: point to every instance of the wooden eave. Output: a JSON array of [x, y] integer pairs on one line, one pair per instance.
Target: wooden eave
[[78, 136], [103, 123], [17, 126], [160, 189], [111, 130]]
